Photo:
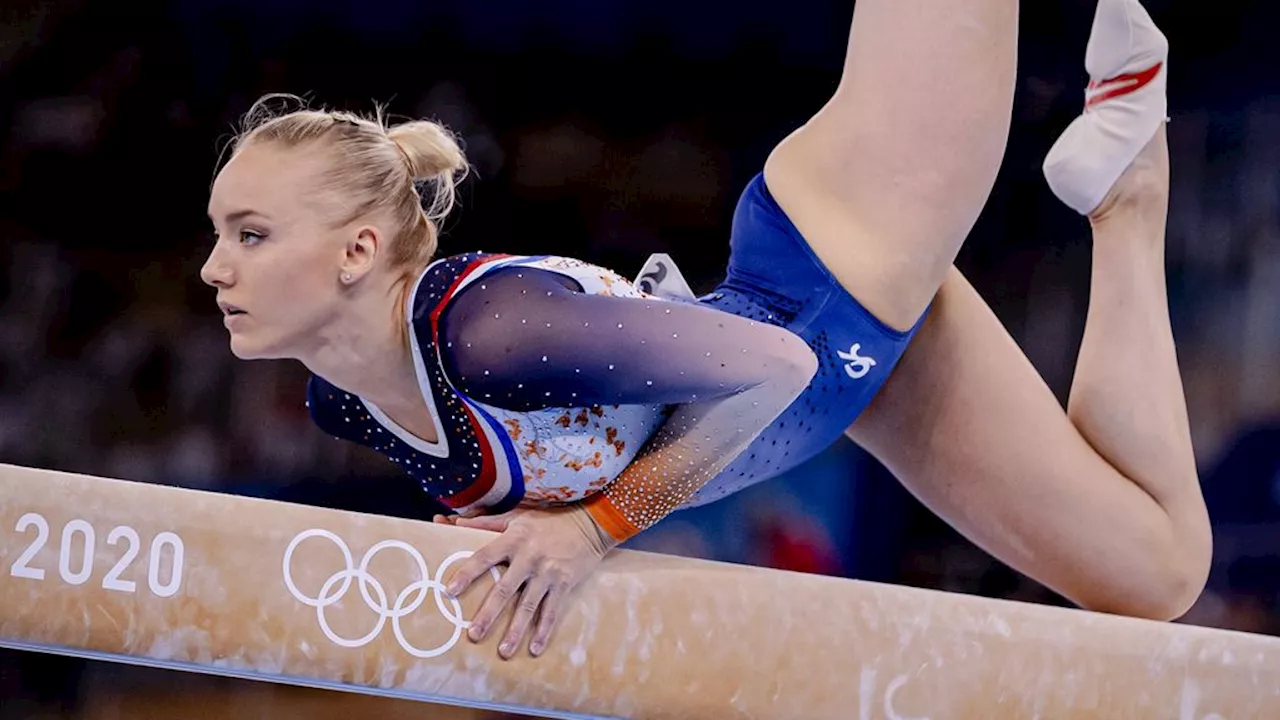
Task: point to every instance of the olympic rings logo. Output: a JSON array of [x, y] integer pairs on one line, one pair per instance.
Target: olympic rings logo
[[375, 595]]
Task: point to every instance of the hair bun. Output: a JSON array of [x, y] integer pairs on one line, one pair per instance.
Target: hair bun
[[435, 162], [430, 149]]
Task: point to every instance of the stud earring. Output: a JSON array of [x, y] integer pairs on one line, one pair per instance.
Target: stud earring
[[346, 277]]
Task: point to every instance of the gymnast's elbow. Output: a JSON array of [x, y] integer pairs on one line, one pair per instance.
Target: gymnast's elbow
[[792, 364]]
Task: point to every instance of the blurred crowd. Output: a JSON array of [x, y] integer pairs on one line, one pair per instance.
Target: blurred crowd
[[604, 131]]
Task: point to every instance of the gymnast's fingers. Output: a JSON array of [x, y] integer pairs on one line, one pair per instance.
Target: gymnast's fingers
[[493, 523], [499, 597], [530, 599], [549, 617], [490, 555]]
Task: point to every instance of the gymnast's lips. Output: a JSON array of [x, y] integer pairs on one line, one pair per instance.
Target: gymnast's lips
[[229, 309]]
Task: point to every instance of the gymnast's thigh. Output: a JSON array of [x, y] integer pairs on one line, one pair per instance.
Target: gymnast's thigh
[[888, 177]]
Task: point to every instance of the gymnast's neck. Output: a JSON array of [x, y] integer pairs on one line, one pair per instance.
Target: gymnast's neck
[[362, 346]]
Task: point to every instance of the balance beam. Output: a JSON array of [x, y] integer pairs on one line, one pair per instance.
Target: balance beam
[[243, 587]]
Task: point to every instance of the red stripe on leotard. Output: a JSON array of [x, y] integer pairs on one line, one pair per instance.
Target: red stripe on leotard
[[488, 464]]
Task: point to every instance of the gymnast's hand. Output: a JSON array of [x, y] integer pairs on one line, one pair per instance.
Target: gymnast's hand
[[549, 552]]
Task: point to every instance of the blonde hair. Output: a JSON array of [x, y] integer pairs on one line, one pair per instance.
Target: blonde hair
[[408, 171]]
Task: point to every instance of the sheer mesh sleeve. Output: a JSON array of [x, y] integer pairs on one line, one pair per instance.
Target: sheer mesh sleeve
[[526, 339]]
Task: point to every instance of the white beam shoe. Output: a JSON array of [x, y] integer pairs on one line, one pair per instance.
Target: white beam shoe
[[1125, 103]]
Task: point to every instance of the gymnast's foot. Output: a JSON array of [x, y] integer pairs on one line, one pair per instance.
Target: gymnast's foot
[[1116, 149]]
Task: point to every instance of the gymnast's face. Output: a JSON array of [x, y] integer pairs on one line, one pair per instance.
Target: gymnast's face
[[277, 259]]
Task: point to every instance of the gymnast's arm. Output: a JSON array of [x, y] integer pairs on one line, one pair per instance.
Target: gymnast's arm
[[526, 339]]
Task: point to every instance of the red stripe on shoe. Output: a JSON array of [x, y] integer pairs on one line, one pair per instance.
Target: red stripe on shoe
[[1103, 90]]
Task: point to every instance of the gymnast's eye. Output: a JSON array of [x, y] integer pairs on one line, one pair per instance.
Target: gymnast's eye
[[249, 237]]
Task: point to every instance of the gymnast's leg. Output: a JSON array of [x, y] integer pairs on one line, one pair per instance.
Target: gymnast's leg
[[887, 179], [1101, 503]]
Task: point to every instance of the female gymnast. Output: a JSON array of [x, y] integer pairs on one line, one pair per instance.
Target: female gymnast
[[554, 402]]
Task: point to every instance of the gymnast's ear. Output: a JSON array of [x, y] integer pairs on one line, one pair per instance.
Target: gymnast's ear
[[364, 243]]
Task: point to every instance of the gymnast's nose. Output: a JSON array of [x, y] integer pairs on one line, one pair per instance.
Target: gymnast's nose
[[216, 271]]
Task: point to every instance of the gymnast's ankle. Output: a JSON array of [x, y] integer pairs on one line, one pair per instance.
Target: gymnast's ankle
[[1142, 191]]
